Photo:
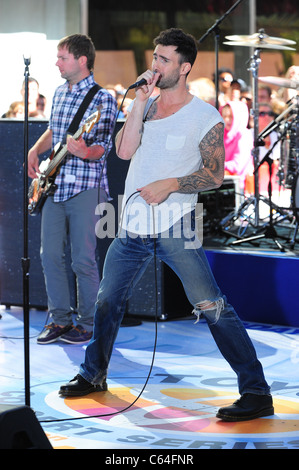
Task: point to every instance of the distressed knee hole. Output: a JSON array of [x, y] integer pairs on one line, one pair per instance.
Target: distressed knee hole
[[208, 305]]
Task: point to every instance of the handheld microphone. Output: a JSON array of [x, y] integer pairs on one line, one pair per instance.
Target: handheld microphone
[[137, 84]]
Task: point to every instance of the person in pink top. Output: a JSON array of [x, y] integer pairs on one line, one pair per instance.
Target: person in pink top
[[238, 141]]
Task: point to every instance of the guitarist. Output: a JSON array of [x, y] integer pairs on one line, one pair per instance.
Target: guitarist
[[70, 211]]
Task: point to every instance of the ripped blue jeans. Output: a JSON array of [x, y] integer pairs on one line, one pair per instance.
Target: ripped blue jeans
[[126, 260]]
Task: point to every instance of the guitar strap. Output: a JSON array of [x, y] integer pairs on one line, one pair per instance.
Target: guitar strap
[[79, 115]]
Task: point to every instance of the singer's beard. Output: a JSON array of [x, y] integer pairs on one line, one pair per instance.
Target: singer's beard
[[168, 82]]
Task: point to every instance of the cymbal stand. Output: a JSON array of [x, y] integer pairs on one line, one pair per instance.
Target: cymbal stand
[[270, 231], [254, 63]]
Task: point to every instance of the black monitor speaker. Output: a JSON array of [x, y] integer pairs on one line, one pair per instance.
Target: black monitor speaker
[[20, 429]]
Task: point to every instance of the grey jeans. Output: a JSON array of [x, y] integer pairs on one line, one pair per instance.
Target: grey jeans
[[72, 221]]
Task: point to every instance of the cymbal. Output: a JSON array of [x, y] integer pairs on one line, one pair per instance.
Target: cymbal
[[281, 82], [259, 45], [261, 37]]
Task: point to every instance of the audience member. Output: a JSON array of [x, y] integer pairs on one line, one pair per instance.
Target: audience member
[[278, 105], [111, 89], [225, 78], [203, 88], [125, 106], [41, 104], [264, 94], [235, 90], [16, 110], [247, 98], [118, 92], [266, 116], [238, 141], [237, 86], [33, 96]]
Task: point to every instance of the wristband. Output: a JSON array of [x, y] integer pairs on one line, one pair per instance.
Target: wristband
[[87, 155]]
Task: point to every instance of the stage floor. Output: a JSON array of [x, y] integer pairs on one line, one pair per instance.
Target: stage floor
[[176, 411]]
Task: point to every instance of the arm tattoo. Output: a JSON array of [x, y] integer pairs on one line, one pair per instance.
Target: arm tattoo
[[213, 155]]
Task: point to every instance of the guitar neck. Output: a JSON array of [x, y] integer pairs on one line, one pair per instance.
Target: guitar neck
[[57, 159]]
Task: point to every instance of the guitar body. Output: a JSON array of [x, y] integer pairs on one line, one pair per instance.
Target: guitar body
[[38, 192], [44, 185]]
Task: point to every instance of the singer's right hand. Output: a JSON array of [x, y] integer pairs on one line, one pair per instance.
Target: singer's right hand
[[145, 91]]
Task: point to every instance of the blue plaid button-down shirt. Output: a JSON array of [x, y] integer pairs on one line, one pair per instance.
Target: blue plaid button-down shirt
[[75, 174]]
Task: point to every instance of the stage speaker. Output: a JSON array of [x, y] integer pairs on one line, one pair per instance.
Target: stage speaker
[[218, 203], [20, 429], [12, 214], [159, 292]]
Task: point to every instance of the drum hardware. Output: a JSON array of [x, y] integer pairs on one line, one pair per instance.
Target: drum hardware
[[281, 82], [272, 126], [259, 41], [269, 230]]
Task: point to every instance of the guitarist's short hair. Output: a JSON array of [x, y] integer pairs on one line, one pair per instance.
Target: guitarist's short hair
[[79, 45]]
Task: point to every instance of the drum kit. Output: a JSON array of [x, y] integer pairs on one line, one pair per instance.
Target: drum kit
[[287, 127]]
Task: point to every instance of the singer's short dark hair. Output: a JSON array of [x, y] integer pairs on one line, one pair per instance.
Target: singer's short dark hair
[[79, 45], [185, 43]]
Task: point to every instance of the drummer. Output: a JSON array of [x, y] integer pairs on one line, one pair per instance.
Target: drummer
[[292, 74]]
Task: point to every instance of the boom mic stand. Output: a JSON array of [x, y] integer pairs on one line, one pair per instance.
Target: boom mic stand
[[25, 259], [215, 29]]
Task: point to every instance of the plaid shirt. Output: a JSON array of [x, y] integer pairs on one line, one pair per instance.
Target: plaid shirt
[[76, 175]]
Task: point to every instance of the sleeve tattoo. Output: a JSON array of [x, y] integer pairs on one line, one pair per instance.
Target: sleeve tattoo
[[213, 155]]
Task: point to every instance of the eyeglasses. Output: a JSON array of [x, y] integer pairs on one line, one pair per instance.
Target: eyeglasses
[[223, 79], [266, 113]]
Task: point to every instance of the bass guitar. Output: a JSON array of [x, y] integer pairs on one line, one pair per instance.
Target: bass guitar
[[44, 185]]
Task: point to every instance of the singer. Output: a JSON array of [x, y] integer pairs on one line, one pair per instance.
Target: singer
[[175, 144]]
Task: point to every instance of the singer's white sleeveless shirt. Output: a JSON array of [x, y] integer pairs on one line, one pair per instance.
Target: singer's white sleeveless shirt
[[169, 148]]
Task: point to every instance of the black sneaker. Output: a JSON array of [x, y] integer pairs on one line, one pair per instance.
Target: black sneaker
[[51, 333], [78, 387], [249, 406], [77, 335]]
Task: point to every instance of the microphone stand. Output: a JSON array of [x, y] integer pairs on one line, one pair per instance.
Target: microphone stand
[[25, 259], [215, 29]]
